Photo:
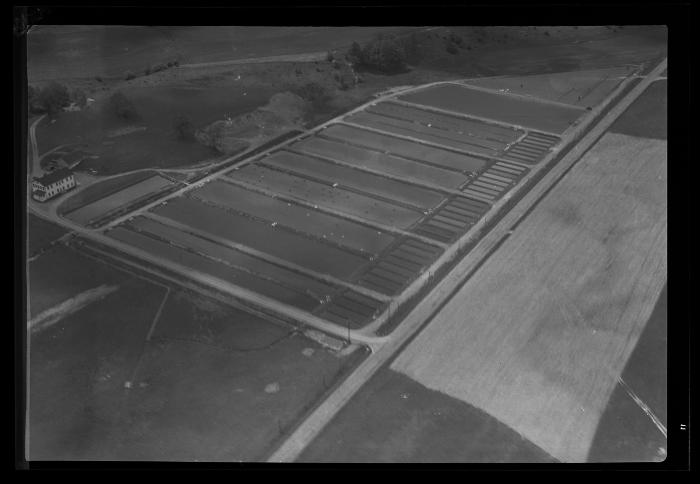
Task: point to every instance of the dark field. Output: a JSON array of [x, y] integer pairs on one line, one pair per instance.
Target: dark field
[[300, 250], [335, 229], [499, 107], [324, 195], [197, 390], [647, 116], [41, 233], [394, 419], [324, 171], [625, 433]]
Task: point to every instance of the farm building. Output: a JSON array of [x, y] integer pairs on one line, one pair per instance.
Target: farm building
[[52, 184]]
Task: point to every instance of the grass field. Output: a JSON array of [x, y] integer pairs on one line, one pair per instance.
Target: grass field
[[79, 51], [499, 107], [538, 337], [60, 274], [400, 147], [393, 419], [324, 195], [373, 160], [40, 234], [149, 141], [197, 390], [578, 88], [335, 229]]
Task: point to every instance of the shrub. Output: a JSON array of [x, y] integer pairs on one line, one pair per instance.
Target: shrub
[[452, 48], [98, 78], [130, 75]]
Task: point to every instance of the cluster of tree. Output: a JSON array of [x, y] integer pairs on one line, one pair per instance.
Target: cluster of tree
[[384, 53], [122, 107], [52, 98], [313, 93], [152, 69]]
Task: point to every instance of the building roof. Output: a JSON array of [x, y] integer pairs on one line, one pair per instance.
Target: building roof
[[54, 176]]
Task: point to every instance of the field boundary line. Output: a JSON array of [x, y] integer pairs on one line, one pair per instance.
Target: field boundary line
[[267, 257], [331, 211], [156, 318], [643, 406], [430, 305]]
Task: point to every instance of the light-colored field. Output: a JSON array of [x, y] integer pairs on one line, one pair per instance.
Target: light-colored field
[[540, 334], [579, 88]]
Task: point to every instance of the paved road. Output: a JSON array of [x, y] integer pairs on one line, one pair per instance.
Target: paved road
[[292, 447]]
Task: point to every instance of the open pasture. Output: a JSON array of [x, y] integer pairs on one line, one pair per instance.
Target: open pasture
[[324, 195], [290, 215], [447, 124], [428, 133], [380, 162], [277, 241], [586, 88], [345, 177], [505, 108], [408, 149], [198, 386], [540, 334], [92, 211]]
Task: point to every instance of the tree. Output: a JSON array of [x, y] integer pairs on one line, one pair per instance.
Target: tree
[[53, 98], [313, 93], [122, 107], [183, 128]]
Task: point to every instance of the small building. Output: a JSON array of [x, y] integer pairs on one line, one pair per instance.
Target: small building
[[52, 184]]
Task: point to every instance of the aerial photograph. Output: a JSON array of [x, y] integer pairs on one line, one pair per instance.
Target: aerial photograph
[[358, 244]]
